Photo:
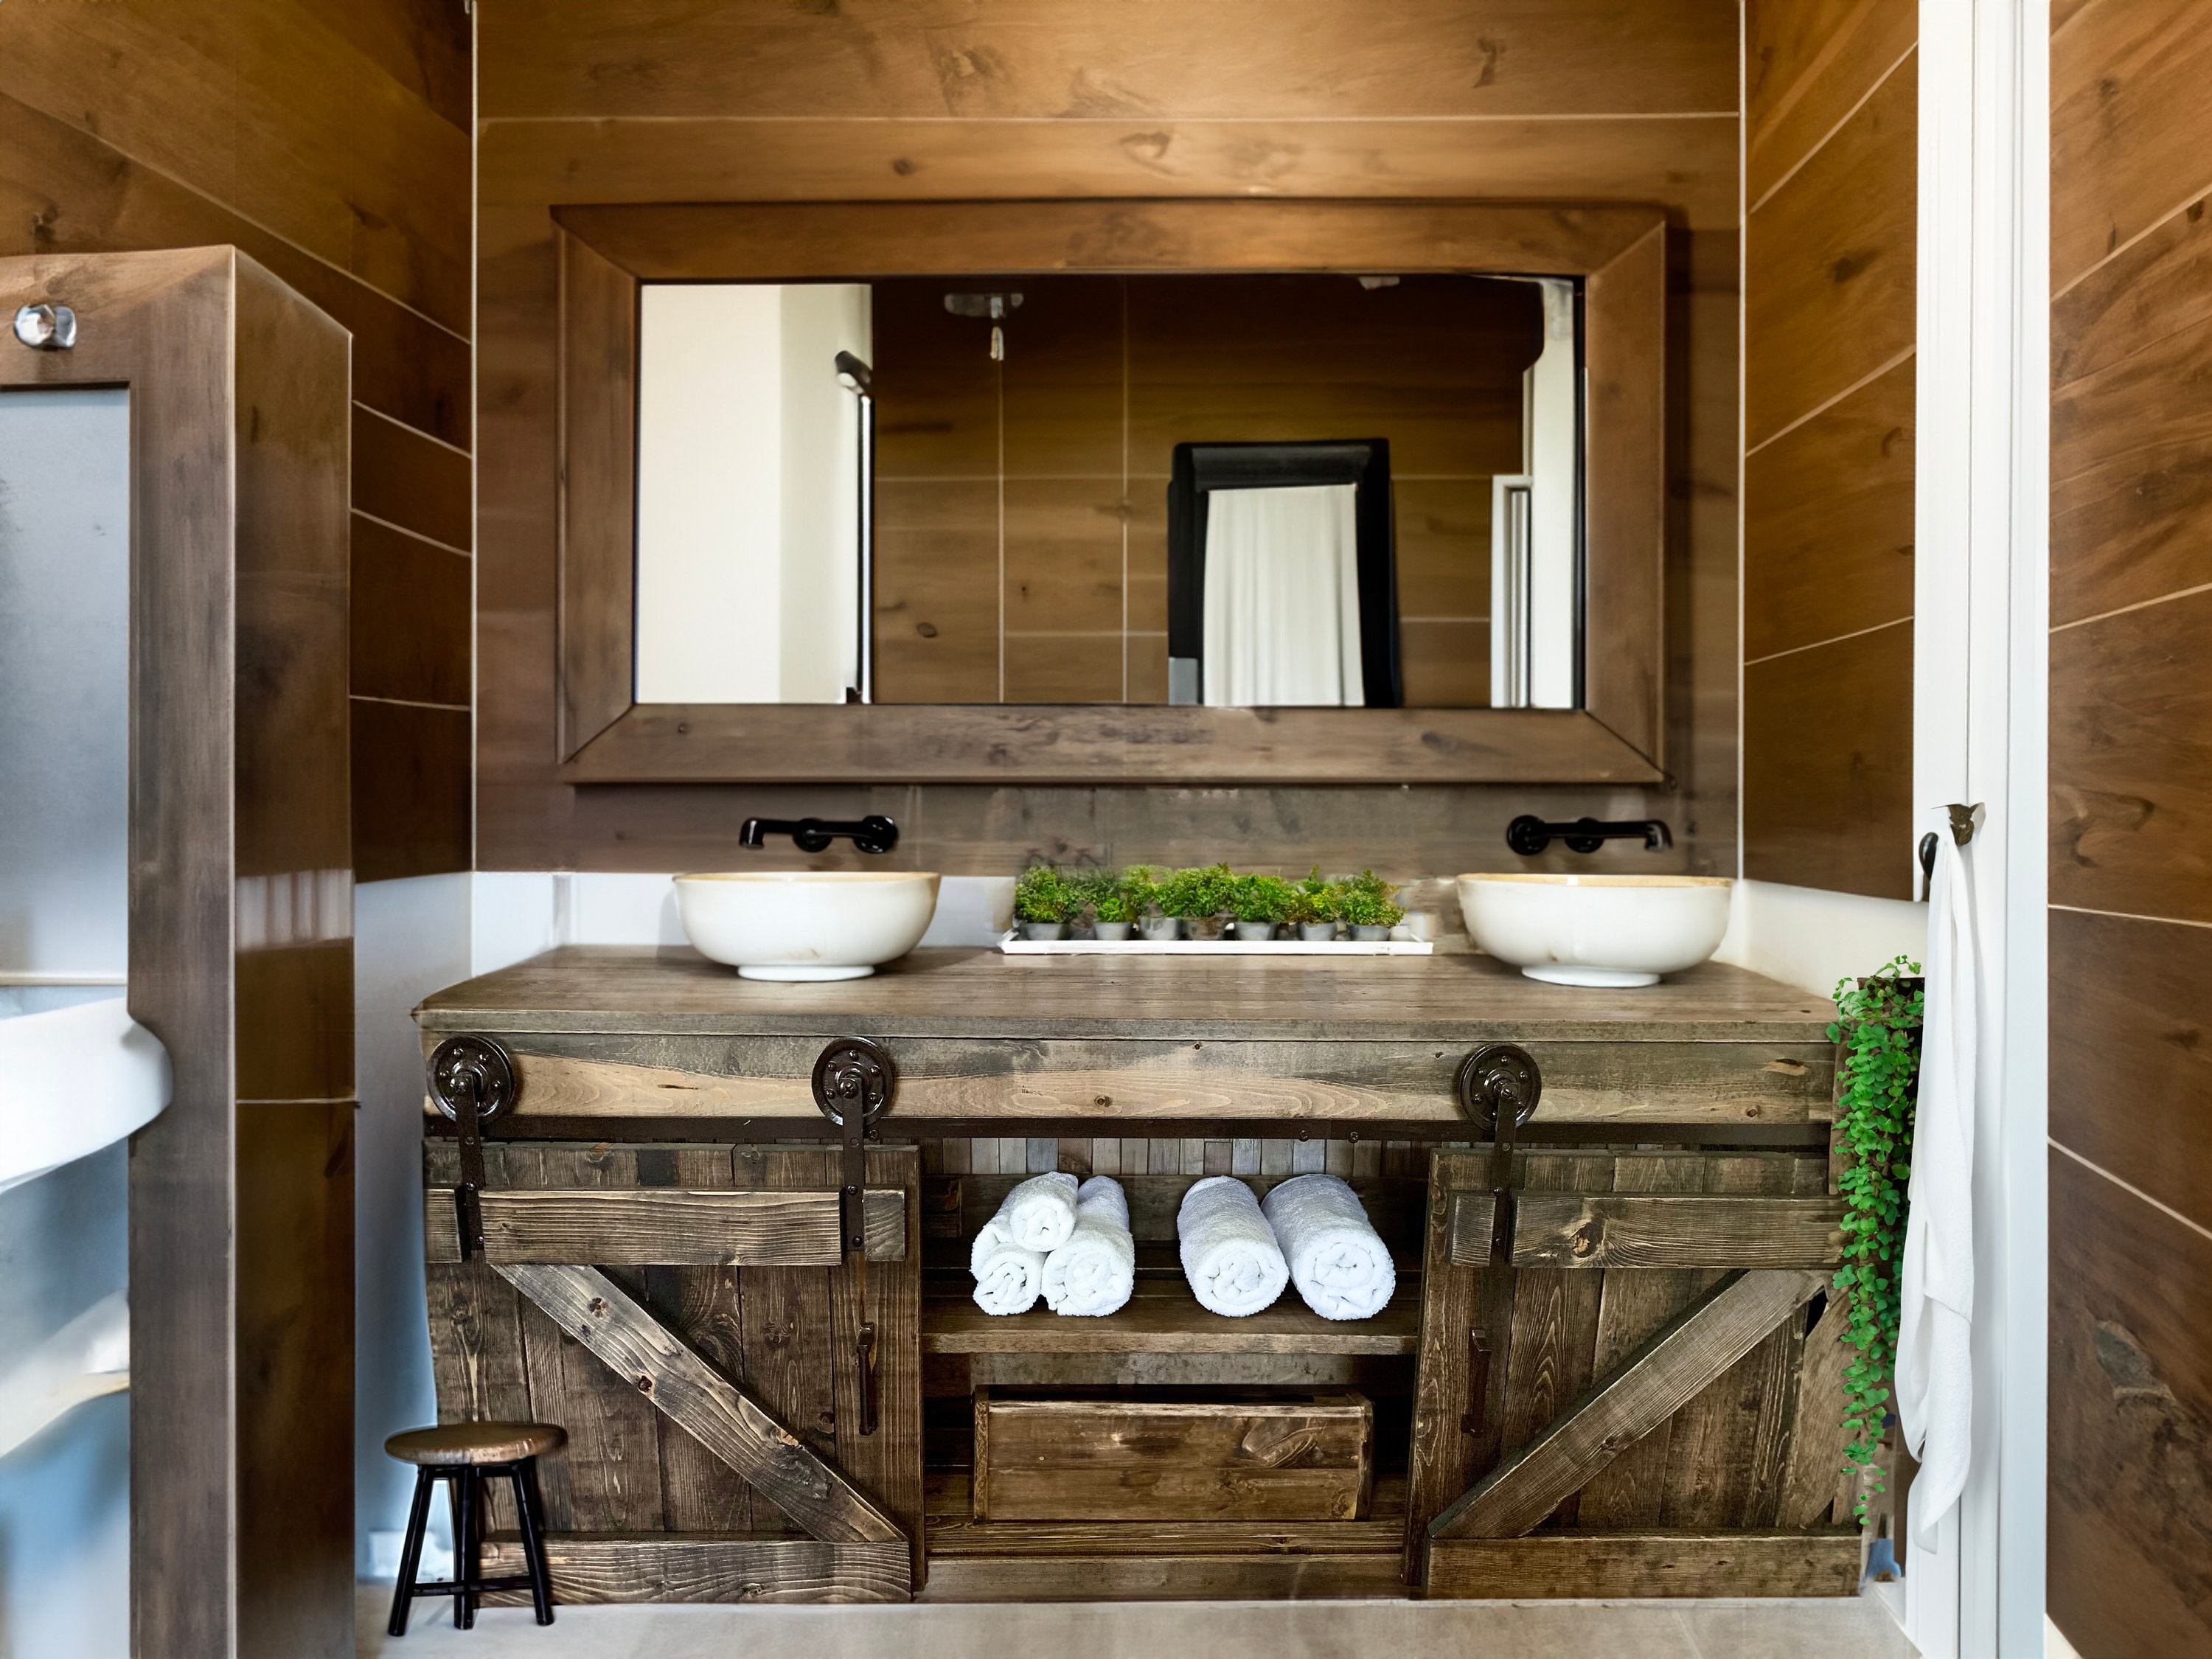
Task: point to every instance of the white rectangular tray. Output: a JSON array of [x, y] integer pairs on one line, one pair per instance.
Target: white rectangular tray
[[1014, 946]]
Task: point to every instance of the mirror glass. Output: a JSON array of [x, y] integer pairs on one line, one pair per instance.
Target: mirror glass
[[1271, 490]]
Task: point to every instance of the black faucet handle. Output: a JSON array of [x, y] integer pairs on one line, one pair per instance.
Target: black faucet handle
[[874, 834], [1530, 834], [878, 834]]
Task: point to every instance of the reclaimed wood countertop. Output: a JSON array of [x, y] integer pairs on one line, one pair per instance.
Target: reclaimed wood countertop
[[983, 994]]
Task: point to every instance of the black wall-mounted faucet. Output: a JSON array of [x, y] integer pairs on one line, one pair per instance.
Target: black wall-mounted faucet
[[1530, 834], [872, 834]]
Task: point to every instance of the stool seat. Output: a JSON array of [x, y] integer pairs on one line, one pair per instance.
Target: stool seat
[[474, 1442]]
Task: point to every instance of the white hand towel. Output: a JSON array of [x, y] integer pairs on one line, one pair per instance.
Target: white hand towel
[[1040, 1214], [1935, 1295], [1338, 1261], [1007, 1277], [1094, 1272], [1229, 1251]]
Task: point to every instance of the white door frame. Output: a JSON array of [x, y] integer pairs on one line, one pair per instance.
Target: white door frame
[[1981, 685]]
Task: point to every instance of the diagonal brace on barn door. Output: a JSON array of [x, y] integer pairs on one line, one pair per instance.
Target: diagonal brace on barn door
[[1699, 1344], [705, 1404]]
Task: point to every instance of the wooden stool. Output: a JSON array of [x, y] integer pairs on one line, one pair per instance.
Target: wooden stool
[[464, 1454]]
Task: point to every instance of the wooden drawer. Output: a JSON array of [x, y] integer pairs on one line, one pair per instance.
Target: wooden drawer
[[1220, 1457]]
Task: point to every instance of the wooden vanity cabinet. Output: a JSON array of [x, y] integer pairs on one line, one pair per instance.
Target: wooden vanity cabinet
[[1634, 1387]]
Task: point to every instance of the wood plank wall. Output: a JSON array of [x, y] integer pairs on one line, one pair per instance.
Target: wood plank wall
[[1830, 192], [330, 142], [2131, 1449], [636, 101], [1056, 462]]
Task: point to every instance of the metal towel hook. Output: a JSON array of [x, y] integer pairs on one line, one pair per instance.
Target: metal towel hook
[[1965, 820]]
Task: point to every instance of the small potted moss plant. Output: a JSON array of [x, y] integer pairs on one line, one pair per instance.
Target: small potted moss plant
[[1200, 900], [1104, 897], [1312, 909], [1140, 886], [1042, 899], [1364, 907], [1262, 904]]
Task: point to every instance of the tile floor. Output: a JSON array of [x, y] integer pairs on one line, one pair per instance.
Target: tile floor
[[1857, 1629]]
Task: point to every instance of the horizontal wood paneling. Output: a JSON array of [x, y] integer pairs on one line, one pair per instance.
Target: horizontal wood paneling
[[423, 44], [410, 616], [1829, 312], [1827, 522], [2131, 761], [323, 147], [2155, 287], [2130, 1371], [62, 191], [332, 143], [2130, 1067], [2130, 1450], [989, 830], [1829, 265], [2130, 434], [411, 790], [2127, 133], [1807, 65], [414, 481], [1685, 160], [1827, 766], [1067, 60]]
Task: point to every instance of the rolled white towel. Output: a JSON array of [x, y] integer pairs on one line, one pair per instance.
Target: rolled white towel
[[1338, 1261], [1008, 1278], [1229, 1251], [1040, 1214], [1094, 1272]]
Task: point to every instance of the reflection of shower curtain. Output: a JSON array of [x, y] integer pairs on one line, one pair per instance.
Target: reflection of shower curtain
[[1282, 599]]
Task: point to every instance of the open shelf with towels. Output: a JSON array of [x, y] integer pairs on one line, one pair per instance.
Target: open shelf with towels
[[1163, 1317]]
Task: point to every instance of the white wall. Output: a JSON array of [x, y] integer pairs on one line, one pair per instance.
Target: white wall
[[1811, 938], [748, 455], [710, 491], [821, 570], [520, 912], [1550, 438], [410, 938]]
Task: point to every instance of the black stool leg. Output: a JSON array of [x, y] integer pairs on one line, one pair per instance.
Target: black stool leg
[[468, 1563], [525, 1476], [411, 1553]]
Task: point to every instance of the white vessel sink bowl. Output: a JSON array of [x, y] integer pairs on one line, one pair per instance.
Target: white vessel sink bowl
[[1596, 930], [805, 924]]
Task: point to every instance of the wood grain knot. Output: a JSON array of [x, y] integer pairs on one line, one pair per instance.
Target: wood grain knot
[[1585, 1239], [645, 1385], [596, 1306], [1787, 1067]]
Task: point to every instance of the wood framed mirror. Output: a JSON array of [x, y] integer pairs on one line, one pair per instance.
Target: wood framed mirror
[[608, 254]]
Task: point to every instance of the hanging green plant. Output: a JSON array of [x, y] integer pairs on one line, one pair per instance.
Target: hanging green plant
[[1879, 1027]]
